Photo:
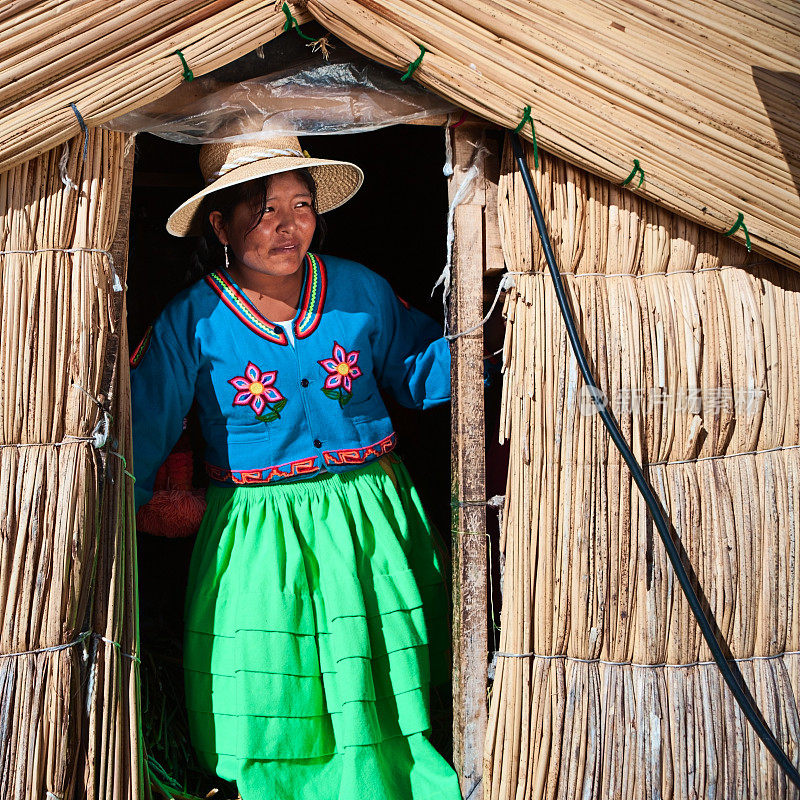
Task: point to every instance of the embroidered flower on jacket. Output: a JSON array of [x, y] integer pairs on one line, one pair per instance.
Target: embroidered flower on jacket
[[342, 369], [256, 389]]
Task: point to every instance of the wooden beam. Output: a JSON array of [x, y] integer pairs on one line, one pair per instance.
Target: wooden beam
[[493, 247], [434, 121], [470, 627], [119, 247], [119, 256], [440, 120]]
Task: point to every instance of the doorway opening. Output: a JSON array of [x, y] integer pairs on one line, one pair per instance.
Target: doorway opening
[[396, 226]]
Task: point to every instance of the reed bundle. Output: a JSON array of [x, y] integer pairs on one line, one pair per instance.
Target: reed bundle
[[67, 569], [605, 690], [699, 93], [109, 58]]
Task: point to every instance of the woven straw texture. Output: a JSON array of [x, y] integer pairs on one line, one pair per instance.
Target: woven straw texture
[[69, 718], [227, 164], [110, 57], [695, 346], [703, 94]]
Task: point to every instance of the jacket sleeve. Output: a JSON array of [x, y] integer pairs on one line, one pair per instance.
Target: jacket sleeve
[[412, 359], [163, 378]]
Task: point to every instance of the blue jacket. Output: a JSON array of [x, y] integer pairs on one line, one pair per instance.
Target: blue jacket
[[271, 410]]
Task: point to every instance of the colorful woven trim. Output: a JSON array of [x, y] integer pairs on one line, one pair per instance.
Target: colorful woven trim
[[293, 469], [315, 286], [244, 309], [138, 353], [359, 455], [303, 467], [313, 298]]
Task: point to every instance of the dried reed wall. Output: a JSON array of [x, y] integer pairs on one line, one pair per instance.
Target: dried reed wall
[[701, 94], [69, 722], [698, 93], [605, 690], [109, 57]]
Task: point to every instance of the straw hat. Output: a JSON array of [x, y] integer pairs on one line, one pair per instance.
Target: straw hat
[[225, 164]]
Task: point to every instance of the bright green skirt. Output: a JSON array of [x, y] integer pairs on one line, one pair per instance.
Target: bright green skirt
[[315, 614]]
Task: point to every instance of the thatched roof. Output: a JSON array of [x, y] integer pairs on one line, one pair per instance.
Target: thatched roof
[[702, 94]]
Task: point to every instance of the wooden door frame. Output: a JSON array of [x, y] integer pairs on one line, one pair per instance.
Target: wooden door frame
[[476, 251]]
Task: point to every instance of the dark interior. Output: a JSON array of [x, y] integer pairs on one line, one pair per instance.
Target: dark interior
[[396, 225]]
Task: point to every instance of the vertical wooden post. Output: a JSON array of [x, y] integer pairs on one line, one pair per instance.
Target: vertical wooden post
[[119, 247], [119, 254], [470, 635]]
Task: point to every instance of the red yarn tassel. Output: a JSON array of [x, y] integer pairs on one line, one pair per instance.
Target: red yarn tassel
[[173, 513], [175, 509]]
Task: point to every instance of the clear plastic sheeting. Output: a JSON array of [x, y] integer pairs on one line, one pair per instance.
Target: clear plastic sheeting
[[328, 97]]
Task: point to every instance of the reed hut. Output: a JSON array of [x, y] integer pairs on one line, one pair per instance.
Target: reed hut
[[664, 142]]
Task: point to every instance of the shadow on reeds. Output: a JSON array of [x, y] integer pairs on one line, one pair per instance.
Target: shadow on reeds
[[780, 94]]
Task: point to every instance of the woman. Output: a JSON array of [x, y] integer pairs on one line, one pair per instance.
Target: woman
[[314, 591]]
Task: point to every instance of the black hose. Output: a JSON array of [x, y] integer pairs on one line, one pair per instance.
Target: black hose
[[734, 680]]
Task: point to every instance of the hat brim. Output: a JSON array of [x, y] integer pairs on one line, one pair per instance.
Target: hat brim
[[337, 182]]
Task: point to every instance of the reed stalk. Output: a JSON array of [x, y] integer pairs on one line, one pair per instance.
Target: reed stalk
[[69, 717], [713, 140], [107, 76], [694, 342]]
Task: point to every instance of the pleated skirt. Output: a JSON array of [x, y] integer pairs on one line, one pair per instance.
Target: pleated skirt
[[316, 617]]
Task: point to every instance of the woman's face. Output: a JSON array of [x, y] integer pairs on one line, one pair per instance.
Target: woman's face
[[280, 241]]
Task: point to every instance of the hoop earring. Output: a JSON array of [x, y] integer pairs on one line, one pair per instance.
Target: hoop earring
[[227, 263]]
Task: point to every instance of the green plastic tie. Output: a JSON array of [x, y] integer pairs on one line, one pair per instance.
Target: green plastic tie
[[735, 227], [124, 465], [637, 167], [291, 22], [526, 117], [188, 75], [412, 67]]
